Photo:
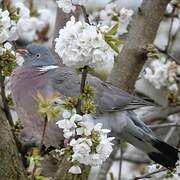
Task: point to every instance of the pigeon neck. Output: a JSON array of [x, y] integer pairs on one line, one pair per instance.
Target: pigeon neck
[[47, 68]]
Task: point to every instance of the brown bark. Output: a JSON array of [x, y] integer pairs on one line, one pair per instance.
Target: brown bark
[[11, 167], [142, 32]]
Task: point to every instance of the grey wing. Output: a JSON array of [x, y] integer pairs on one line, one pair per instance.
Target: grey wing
[[66, 82], [111, 98], [138, 123], [108, 98]]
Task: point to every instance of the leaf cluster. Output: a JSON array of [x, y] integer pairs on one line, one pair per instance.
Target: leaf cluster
[[87, 98], [13, 11], [152, 51], [47, 107], [70, 103], [111, 39]]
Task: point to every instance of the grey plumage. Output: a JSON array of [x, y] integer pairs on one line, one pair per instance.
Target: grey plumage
[[114, 106]]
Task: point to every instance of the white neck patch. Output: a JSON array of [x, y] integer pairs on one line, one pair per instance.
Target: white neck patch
[[46, 68]]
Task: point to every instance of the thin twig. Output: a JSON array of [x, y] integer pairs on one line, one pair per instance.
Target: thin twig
[[173, 38], [170, 15], [133, 159], [170, 29], [86, 16], [4, 100], [150, 174], [164, 125], [168, 55], [120, 161], [169, 134], [153, 114], [107, 164]]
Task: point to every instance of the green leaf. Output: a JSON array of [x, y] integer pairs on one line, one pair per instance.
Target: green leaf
[[113, 30], [113, 46]]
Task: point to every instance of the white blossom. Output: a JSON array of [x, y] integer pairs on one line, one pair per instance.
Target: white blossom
[[23, 11], [112, 14], [45, 15], [6, 46], [80, 44], [85, 128], [90, 144], [125, 15], [104, 149], [7, 27], [68, 127], [27, 26], [173, 88], [75, 170], [163, 74], [69, 5], [66, 5], [66, 114], [26, 29]]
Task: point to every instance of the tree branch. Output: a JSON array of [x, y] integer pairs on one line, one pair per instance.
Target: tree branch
[[4, 100], [164, 125], [134, 159], [11, 167], [120, 161], [169, 134], [170, 29], [168, 54], [150, 174], [156, 113], [132, 58]]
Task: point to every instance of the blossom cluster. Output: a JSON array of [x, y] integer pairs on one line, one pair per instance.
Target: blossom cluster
[[69, 5], [28, 25], [89, 143], [112, 14], [164, 74], [8, 29], [80, 44]]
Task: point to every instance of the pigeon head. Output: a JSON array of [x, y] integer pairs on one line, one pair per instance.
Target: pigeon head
[[37, 55]]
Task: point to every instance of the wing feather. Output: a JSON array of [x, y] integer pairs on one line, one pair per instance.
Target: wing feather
[[108, 98]]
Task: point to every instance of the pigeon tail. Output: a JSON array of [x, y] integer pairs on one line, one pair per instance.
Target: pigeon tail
[[142, 137], [166, 155], [157, 150]]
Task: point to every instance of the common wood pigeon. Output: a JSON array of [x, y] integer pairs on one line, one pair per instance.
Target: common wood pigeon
[[41, 73]]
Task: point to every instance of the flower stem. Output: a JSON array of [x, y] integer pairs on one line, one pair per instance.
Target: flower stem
[[83, 83], [44, 130]]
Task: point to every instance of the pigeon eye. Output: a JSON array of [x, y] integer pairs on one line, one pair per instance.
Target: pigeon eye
[[38, 55]]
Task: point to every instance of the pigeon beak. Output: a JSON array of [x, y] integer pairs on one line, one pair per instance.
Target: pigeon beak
[[22, 51]]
